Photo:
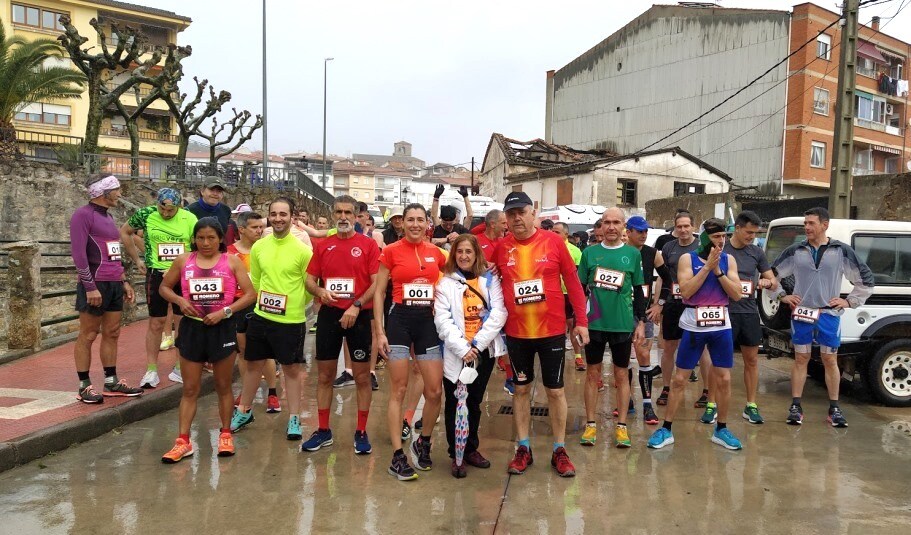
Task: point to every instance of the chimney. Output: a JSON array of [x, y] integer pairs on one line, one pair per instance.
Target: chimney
[[875, 24]]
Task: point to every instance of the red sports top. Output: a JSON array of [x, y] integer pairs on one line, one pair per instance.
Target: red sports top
[[245, 258], [415, 265], [487, 245], [531, 271], [344, 266]]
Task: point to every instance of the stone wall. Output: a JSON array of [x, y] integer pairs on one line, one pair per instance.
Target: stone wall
[[885, 197], [660, 212]]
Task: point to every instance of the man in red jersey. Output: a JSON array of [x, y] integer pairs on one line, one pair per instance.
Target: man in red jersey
[[494, 229], [531, 263]]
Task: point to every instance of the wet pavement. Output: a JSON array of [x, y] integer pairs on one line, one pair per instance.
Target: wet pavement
[[809, 479]]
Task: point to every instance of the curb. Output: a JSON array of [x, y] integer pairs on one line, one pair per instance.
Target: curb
[[61, 436]]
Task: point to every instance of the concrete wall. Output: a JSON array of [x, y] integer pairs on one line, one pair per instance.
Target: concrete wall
[[664, 69]]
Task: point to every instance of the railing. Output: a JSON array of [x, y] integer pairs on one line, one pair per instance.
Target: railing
[[870, 73], [145, 135], [43, 146], [879, 127], [862, 172]]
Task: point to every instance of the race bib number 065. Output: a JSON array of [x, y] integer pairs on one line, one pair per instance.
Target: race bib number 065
[[530, 291], [710, 316]]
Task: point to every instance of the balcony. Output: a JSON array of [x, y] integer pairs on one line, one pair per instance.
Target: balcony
[[145, 48], [879, 127], [144, 90], [862, 172], [144, 135], [386, 184]]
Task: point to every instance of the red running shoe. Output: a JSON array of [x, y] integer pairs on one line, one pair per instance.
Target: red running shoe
[[521, 461], [560, 461]]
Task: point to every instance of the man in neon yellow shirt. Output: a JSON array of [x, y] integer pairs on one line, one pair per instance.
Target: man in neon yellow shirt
[[563, 230], [278, 267]]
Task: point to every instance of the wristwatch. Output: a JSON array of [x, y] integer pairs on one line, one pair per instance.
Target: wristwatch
[[358, 303], [661, 302], [228, 312]]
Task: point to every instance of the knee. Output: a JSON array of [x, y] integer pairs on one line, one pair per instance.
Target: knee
[[362, 379], [722, 379], [433, 392], [89, 335], [593, 373], [750, 361], [398, 391], [190, 390], [223, 384], [830, 361], [801, 359], [326, 378], [523, 390], [554, 394], [678, 383]]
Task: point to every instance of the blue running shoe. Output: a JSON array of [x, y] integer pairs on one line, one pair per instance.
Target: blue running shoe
[[294, 428], [320, 438], [661, 438], [362, 443], [724, 437], [710, 415], [509, 387], [240, 419]]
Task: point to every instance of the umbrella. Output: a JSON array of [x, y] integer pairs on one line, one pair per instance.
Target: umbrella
[[461, 422]]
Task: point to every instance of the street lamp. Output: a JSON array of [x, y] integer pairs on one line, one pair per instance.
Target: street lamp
[[325, 72]]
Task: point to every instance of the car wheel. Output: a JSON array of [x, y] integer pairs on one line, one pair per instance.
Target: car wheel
[[774, 314], [889, 373]]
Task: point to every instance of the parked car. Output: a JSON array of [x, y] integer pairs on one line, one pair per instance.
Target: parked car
[[876, 337], [577, 216]]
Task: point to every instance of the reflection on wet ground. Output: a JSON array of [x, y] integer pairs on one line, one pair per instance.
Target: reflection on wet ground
[[810, 479]]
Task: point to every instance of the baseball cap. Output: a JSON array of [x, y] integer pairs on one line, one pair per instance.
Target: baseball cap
[[241, 208], [447, 213], [637, 222], [214, 182], [517, 199]]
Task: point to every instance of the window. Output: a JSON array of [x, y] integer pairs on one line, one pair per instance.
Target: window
[[892, 165], [870, 108], [889, 257], [863, 160], [40, 18], [626, 192], [686, 188], [36, 112], [824, 46], [354, 180], [821, 101], [817, 154]]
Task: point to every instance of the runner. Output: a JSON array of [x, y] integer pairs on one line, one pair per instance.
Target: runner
[[210, 205], [414, 266], [322, 223], [468, 314], [304, 217], [612, 272], [531, 263], [446, 229], [342, 275], [494, 231], [209, 278], [394, 230], [562, 230], [708, 282], [818, 265], [167, 231], [276, 330], [101, 289]]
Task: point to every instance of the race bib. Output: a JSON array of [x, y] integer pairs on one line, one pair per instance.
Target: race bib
[[805, 314], [273, 303], [647, 291], [530, 291], [710, 316], [675, 291], [746, 289], [417, 295], [609, 279], [167, 252], [113, 248], [207, 289], [343, 288]]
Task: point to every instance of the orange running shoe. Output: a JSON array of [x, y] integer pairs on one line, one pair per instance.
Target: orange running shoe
[[181, 449], [225, 445]]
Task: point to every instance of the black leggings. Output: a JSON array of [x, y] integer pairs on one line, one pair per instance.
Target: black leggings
[[473, 403]]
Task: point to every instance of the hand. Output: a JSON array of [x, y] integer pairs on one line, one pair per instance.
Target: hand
[[141, 266], [129, 295], [382, 344], [792, 300], [838, 303], [581, 332], [186, 308], [639, 334], [438, 191], [493, 269], [764, 284], [349, 317], [94, 298], [214, 318], [654, 313], [472, 355], [327, 297], [463, 191], [452, 236], [713, 259]]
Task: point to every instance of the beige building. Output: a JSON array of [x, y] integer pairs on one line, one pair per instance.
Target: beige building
[[359, 181]]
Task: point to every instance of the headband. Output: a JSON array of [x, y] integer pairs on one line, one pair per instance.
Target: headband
[[169, 194], [97, 189]]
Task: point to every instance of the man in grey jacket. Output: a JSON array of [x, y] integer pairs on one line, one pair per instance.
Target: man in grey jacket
[[818, 265]]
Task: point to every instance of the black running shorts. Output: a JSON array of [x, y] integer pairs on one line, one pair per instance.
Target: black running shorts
[[111, 298], [621, 345], [267, 339], [158, 306], [329, 334], [243, 318], [198, 342], [746, 329], [550, 352], [670, 319], [407, 327]]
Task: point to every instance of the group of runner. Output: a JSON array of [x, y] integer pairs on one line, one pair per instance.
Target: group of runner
[[440, 304]]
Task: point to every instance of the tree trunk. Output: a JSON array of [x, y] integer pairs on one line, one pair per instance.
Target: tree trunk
[[183, 142], [9, 146], [212, 159], [133, 131], [94, 117]]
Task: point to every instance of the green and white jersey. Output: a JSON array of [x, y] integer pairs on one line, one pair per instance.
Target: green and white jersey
[[165, 239], [610, 274]]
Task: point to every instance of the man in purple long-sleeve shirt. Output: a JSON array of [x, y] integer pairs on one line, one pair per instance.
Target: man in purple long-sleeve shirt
[[101, 290]]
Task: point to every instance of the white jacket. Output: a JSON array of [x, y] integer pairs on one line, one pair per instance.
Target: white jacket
[[449, 317]]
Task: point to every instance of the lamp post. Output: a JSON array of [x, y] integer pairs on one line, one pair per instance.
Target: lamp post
[[265, 94], [325, 72]]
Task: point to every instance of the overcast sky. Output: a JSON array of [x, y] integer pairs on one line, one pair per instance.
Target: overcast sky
[[441, 75]]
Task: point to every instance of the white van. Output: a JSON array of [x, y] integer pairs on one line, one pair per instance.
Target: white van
[[875, 337], [480, 205], [577, 216]]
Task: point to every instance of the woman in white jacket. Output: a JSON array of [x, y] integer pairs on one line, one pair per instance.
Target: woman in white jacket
[[469, 314]]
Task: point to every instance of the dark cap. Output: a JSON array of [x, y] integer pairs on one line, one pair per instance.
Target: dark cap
[[517, 199], [447, 213], [637, 222], [214, 182]]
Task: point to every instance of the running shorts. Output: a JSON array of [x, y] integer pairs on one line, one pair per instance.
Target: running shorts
[[621, 345], [407, 327], [550, 352], [719, 343], [111, 298], [158, 306], [198, 342], [825, 332], [267, 339], [670, 320], [329, 334], [746, 329]]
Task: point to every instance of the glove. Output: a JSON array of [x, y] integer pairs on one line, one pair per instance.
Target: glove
[[463, 191], [438, 191]]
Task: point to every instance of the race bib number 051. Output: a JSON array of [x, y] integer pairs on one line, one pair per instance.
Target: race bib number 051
[[169, 251], [530, 291], [343, 288], [207, 289], [273, 303], [710, 316], [417, 295], [805, 314], [609, 279]]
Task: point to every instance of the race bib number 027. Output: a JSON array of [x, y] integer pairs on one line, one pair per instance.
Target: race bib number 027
[[417, 295], [343, 288], [710, 316], [805, 314], [530, 291], [609, 279], [273, 303]]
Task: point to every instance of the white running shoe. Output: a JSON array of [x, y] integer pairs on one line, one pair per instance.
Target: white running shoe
[[174, 376], [149, 380], [167, 342]]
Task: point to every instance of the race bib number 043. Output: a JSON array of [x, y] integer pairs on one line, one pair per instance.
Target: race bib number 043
[[710, 316], [273, 303], [417, 295], [343, 288], [207, 289], [530, 291], [609, 279], [805, 314]]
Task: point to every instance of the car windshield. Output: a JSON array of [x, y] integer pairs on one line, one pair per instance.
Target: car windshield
[[780, 238]]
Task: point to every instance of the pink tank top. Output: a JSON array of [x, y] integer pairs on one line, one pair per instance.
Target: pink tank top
[[209, 290]]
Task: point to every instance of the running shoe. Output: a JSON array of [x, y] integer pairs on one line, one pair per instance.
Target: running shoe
[[88, 395], [167, 342], [319, 439], [649, 415], [380, 363], [836, 418], [521, 461], [345, 379], [374, 384], [662, 398], [273, 405], [294, 428], [237, 401], [509, 387], [420, 454], [149, 380], [419, 424], [622, 437], [661, 438], [406, 430], [458, 471], [795, 415], [751, 414], [120, 389], [400, 468], [175, 376], [630, 410], [568, 344], [589, 436], [181, 449], [600, 385], [693, 377], [477, 460], [362, 443], [701, 402], [724, 437], [710, 415], [580, 363], [560, 461], [240, 419], [225, 445]]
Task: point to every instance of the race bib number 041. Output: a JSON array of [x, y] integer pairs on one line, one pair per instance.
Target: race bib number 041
[[273, 303], [169, 251], [530, 291], [343, 288], [710, 316], [805, 314], [417, 295], [609, 279]]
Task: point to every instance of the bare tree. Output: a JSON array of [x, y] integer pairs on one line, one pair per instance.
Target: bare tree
[[236, 127]]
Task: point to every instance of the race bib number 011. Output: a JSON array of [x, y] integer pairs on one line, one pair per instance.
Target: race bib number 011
[[273, 303], [805, 314], [113, 248], [169, 251], [609, 279], [746, 289], [710, 316], [530, 291], [417, 295], [675, 291], [343, 288], [208, 289]]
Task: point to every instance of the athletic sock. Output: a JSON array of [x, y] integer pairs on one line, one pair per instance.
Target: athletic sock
[[152, 368], [833, 404], [591, 423], [184, 436], [425, 439], [667, 425], [273, 392], [398, 452], [752, 405], [348, 371], [524, 442], [559, 445], [224, 430], [409, 416], [721, 425], [645, 382], [110, 371], [83, 376], [362, 420], [795, 401], [323, 418], [712, 405], [621, 425]]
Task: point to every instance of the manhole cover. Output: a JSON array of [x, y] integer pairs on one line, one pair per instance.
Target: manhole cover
[[535, 411]]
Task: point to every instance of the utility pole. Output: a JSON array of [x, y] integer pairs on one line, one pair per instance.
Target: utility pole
[[843, 153], [325, 73], [472, 175], [265, 99]]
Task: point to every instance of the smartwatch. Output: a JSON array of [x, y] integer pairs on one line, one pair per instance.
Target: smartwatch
[[228, 312], [358, 303]]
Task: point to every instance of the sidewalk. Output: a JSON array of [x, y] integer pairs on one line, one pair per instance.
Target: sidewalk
[[39, 413]]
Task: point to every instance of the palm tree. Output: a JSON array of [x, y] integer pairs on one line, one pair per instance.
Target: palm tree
[[25, 78]]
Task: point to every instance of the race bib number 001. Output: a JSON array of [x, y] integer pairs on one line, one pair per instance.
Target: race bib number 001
[[343, 288], [609, 279], [113, 248], [746, 289], [710, 316], [417, 295], [273, 303], [207, 289], [169, 251], [530, 291], [805, 314], [675, 291]]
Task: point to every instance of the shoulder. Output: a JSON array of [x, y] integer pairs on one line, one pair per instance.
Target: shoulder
[[187, 215], [143, 213]]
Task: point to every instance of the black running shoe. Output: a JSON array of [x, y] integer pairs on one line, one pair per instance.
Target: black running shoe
[[836, 418], [406, 430], [400, 468], [420, 454], [795, 415], [662, 398], [693, 377], [702, 401]]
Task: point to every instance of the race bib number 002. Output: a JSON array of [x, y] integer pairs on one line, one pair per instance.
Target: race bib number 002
[[805, 314], [113, 248], [609, 279], [169, 251], [710, 316], [343, 288], [530, 291], [746, 289], [273, 303], [207, 289], [417, 295]]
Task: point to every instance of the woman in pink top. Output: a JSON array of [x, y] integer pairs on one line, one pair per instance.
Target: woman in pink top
[[209, 278]]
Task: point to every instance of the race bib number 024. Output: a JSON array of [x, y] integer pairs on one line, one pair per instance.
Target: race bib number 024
[[273, 303], [417, 295], [169, 251], [609, 279], [530, 291], [343, 288], [710, 316], [805, 314]]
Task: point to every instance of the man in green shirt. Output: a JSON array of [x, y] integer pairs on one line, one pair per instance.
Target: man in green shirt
[[612, 273], [167, 230], [571, 343]]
